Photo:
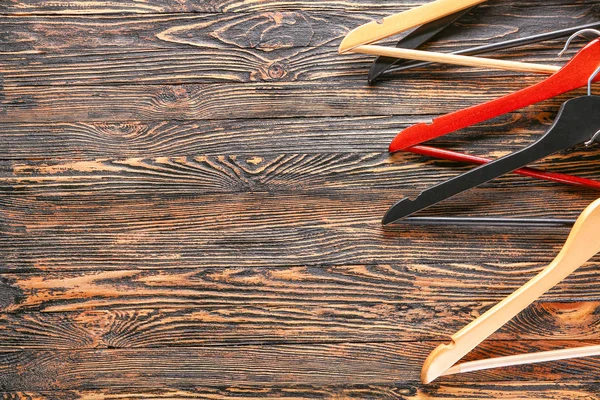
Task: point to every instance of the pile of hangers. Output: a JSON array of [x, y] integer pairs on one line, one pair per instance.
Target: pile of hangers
[[577, 122]]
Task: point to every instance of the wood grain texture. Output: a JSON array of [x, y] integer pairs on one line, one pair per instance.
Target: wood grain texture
[[150, 231], [278, 46], [190, 196], [92, 311], [125, 326], [187, 6], [32, 142], [314, 365], [212, 101], [405, 391], [309, 173], [162, 6], [216, 287]]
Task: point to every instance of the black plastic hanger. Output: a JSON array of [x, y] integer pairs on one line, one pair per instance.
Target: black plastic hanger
[[578, 121], [414, 40], [387, 65]]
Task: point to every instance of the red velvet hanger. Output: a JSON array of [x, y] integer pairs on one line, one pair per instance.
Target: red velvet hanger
[[531, 172], [573, 75]]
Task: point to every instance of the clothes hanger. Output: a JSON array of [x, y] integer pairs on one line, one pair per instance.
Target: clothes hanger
[[427, 32], [570, 77], [414, 40], [398, 23], [550, 176], [525, 171], [578, 121], [386, 65], [582, 244], [357, 41]]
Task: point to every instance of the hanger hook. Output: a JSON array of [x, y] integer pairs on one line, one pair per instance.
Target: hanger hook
[[593, 139], [594, 75], [573, 36], [597, 134]]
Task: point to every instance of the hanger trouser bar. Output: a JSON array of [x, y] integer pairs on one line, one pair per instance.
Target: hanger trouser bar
[[468, 221], [468, 61]]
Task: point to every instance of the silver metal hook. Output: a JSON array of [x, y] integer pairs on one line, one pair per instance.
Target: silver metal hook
[[597, 134], [591, 79], [594, 75], [593, 139], [573, 36]]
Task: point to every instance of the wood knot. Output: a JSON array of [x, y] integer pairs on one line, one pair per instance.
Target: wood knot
[[171, 97], [277, 71], [119, 131]]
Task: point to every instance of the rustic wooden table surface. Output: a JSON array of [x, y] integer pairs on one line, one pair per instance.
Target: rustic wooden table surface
[[191, 194]]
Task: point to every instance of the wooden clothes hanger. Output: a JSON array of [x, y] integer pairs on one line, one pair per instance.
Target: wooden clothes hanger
[[400, 22], [582, 244], [358, 40]]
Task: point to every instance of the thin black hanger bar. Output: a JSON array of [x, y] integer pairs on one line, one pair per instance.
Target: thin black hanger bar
[[414, 40], [488, 221], [578, 120], [403, 65]]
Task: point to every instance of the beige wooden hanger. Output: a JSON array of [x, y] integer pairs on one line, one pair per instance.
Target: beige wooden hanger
[[398, 23], [583, 243], [359, 40]]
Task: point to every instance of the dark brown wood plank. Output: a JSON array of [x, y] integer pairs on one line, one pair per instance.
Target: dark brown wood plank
[[161, 6], [278, 47], [268, 32], [261, 229], [571, 390], [187, 6], [81, 141], [240, 34], [330, 286], [448, 390], [326, 172], [180, 66], [213, 101], [245, 212], [103, 318], [315, 365]]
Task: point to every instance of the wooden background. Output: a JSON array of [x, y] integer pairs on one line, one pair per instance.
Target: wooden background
[[190, 197]]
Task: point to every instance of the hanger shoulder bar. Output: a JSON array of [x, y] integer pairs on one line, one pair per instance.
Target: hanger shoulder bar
[[397, 23], [455, 59], [520, 359], [581, 245], [468, 180]]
